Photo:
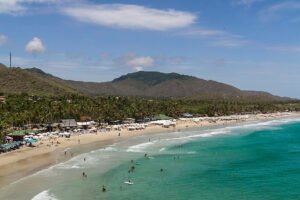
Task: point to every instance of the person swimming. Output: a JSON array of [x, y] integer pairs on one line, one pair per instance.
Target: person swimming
[[103, 188], [132, 168]]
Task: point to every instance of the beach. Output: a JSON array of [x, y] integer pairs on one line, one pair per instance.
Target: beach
[[28, 160]]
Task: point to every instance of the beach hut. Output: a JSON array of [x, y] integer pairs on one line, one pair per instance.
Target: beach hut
[[187, 115], [18, 135], [161, 117], [68, 123], [131, 128], [128, 121]]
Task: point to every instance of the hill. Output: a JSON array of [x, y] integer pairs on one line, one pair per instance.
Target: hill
[[31, 81], [144, 84], [169, 85]]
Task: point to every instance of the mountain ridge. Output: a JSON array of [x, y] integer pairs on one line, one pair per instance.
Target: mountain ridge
[[142, 83], [16, 80]]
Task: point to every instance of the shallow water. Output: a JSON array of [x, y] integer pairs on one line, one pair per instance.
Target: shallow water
[[250, 161]]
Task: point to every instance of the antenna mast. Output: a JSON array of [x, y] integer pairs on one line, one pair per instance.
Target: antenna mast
[[10, 59]]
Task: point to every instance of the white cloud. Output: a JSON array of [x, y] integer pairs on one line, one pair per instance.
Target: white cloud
[[203, 32], [217, 37], [230, 41], [138, 63], [3, 39], [247, 2], [287, 49], [274, 10], [131, 16], [16, 7], [35, 46]]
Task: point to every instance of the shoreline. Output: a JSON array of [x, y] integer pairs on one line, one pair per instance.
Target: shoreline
[[29, 160]]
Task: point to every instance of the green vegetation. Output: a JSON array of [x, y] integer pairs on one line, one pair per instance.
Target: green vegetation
[[32, 81], [152, 78], [22, 109]]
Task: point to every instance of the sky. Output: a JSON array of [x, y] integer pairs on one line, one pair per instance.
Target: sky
[[251, 44]]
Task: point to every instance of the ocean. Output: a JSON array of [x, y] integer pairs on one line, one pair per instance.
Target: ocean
[[257, 160]]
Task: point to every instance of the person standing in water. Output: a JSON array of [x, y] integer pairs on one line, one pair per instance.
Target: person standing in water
[[103, 189]]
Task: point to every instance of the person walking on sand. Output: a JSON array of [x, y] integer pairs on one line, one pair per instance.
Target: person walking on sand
[[78, 141]]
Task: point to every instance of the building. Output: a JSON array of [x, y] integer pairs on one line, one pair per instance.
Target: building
[[128, 121], [187, 115], [161, 117], [68, 123], [19, 134]]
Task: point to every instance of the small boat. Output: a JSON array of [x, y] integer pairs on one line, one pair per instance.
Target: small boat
[[128, 182]]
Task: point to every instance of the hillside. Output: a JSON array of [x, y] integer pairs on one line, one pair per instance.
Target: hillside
[[31, 81], [156, 84], [144, 84]]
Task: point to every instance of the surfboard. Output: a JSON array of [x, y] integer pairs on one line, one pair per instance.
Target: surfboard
[[128, 182]]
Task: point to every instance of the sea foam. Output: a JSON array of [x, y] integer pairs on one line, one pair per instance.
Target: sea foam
[[45, 195]]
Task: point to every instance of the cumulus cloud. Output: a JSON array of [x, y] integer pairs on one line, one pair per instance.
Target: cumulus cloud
[[131, 16], [35, 46], [138, 63], [3, 39]]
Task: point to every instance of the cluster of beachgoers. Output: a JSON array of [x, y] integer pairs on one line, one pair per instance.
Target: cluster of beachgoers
[[50, 147]]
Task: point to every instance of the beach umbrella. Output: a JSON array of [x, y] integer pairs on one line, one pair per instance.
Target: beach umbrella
[[30, 140]]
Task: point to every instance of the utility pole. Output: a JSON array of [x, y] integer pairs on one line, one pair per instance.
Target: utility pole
[[10, 59]]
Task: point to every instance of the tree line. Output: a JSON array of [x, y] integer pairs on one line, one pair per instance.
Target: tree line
[[21, 109]]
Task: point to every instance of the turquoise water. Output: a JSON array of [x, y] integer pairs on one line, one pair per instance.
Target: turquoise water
[[263, 164], [250, 161]]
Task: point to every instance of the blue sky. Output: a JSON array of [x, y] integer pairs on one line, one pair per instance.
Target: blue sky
[[251, 44]]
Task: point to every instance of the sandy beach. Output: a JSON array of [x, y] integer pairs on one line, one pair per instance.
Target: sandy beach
[[27, 160]]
